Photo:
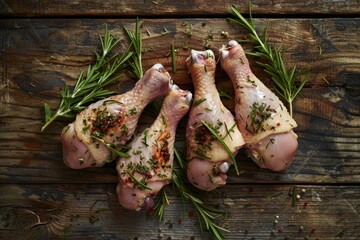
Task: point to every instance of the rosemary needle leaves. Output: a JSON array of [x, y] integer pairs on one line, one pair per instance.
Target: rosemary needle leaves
[[159, 208], [205, 214], [283, 78], [216, 135], [113, 148], [173, 57], [90, 85], [136, 44]]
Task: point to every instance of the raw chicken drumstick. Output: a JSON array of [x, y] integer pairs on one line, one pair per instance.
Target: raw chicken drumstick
[[110, 121], [208, 160], [149, 168], [262, 118]]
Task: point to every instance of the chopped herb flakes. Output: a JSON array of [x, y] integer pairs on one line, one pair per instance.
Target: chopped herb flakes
[[103, 122], [259, 114], [198, 101], [144, 139], [140, 184], [164, 120], [142, 169], [200, 152], [132, 111]]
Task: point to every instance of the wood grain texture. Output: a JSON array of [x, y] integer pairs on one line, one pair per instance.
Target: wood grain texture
[[133, 8], [60, 47], [79, 211], [45, 44], [328, 147], [39, 57]]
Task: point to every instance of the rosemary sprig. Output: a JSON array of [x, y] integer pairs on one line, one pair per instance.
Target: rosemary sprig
[[136, 45], [216, 135], [224, 94], [173, 57], [283, 78], [159, 208], [205, 214], [90, 85], [198, 101], [112, 149], [141, 184]]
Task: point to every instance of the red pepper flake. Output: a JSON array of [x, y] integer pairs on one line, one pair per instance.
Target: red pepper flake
[[190, 214], [148, 175], [313, 229], [127, 180], [305, 204], [151, 210], [278, 124]]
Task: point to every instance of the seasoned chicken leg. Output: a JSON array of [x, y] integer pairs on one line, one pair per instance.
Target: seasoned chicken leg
[[149, 168], [208, 160], [110, 121], [262, 118]]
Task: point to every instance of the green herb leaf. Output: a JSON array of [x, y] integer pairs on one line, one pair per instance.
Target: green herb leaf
[[205, 213], [112, 149], [159, 208], [140, 183], [224, 94], [283, 78], [180, 160], [47, 112], [214, 133], [197, 102], [90, 86], [173, 57], [135, 61]]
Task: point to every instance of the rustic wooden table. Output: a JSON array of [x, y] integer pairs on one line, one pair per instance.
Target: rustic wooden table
[[45, 44]]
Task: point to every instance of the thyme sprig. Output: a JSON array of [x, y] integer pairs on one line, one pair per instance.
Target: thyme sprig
[[284, 78], [90, 86]]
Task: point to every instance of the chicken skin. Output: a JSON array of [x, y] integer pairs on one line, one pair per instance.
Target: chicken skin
[[262, 118], [208, 160], [111, 121], [149, 168]]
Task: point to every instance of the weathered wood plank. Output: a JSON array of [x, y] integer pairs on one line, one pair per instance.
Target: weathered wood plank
[[58, 48], [132, 8], [328, 151], [92, 212], [38, 57]]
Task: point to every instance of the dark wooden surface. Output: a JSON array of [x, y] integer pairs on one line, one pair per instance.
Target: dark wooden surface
[[39, 55]]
